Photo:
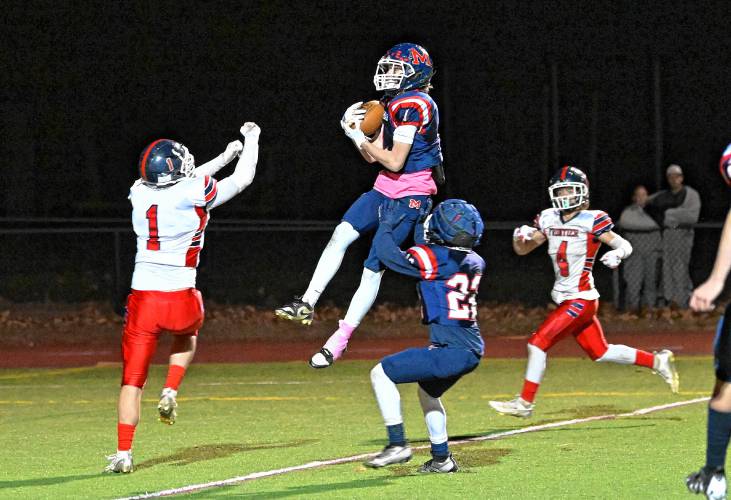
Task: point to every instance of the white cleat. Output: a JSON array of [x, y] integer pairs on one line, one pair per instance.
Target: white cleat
[[664, 365], [322, 359], [120, 462], [517, 407], [447, 466], [390, 455], [166, 406]]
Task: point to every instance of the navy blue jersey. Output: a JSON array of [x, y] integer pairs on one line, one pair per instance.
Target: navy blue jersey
[[448, 287], [415, 108]]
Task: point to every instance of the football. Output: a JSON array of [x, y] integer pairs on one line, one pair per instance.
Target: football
[[371, 124]]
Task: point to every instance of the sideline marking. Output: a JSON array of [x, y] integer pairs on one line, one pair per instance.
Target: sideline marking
[[355, 458]]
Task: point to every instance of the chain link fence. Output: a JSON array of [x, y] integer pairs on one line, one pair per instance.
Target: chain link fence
[[264, 263]]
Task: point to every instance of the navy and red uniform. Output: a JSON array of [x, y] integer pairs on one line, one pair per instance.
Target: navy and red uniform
[[448, 288]]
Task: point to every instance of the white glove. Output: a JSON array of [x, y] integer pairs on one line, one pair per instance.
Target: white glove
[[354, 113], [232, 151], [612, 258], [353, 131], [524, 233], [250, 130]]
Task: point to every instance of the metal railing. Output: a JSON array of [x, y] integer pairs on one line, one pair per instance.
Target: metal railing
[[262, 262]]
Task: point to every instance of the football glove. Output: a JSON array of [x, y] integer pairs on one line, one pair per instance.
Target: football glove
[[524, 233], [353, 131], [250, 130], [354, 113], [612, 258], [232, 151]]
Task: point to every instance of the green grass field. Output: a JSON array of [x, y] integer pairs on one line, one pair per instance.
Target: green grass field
[[56, 425]]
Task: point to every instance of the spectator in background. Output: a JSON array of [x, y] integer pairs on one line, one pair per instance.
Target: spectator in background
[[640, 269], [676, 210]]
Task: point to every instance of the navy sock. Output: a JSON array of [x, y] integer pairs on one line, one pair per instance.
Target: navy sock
[[396, 435], [719, 431], [440, 451]]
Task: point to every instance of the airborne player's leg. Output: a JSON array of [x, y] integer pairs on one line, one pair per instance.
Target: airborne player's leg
[[182, 351], [361, 217], [370, 282], [185, 318]]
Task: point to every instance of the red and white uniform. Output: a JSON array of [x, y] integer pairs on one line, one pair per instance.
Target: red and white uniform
[[572, 247], [170, 225]]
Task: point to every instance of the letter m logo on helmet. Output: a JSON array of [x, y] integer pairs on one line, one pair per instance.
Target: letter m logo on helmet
[[419, 56]]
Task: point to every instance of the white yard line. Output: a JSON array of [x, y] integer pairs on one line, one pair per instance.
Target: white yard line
[[356, 458]]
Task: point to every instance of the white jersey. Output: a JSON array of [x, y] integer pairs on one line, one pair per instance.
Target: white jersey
[[573, 246], [170, 224]]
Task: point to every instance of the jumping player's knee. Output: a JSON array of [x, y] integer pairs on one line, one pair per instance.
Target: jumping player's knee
[[370, 276], [343, 236]]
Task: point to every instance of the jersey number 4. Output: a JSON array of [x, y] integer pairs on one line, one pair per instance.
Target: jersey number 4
[[153, 243], [561, 260], [462, 300]]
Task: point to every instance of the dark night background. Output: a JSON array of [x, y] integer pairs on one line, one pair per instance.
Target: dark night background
[[86, 87]]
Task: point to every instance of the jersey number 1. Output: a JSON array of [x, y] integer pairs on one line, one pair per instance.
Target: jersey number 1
[[153, 243]]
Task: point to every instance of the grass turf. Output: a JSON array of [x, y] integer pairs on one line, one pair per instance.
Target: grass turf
[[56, 426]]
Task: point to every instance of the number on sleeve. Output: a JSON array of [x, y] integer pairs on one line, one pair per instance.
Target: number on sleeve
[[153, 243], [462, 300], [561, 260]]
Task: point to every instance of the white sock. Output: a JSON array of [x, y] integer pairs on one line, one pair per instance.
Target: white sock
[[330, 261], [435, 417], [364, 297], [536, 364], [387, 395], [618, 353]]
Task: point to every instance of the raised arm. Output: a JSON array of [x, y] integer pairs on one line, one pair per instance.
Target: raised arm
[[245, 170], [233, 149]]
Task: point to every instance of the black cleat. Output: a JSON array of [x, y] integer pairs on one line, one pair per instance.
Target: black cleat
[[297, 311]]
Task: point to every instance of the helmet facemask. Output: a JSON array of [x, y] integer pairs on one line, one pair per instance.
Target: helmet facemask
[[390, 74], [577, 194], [187, 160]]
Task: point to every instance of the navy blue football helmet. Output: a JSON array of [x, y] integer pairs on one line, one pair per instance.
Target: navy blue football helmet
[[164, 162], [405, 66], [454, 223], [574, 187], [725, 165]]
